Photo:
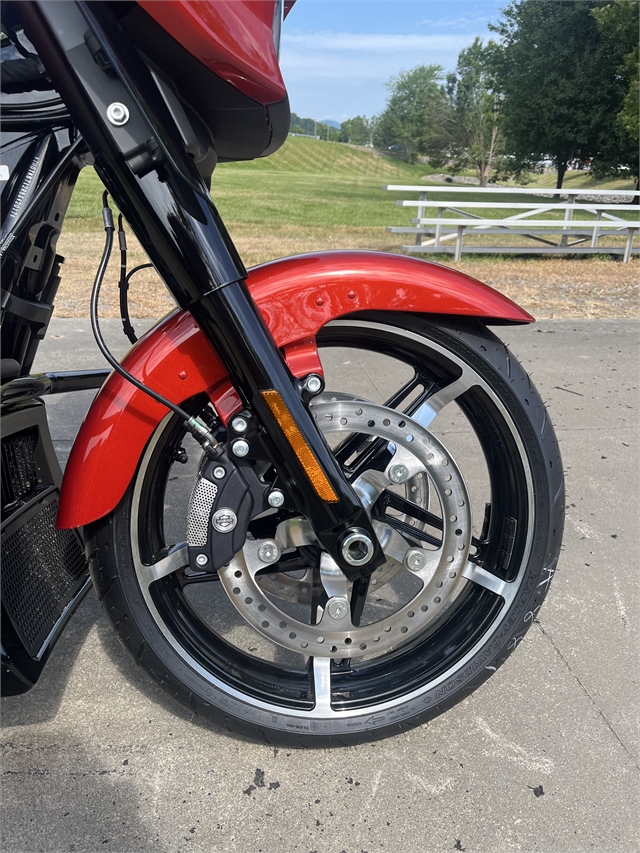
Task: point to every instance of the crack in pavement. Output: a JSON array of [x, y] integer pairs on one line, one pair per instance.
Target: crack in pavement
[[589, 696]]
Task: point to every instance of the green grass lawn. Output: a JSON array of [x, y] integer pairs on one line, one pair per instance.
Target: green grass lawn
[[313, 184], [307, 182]]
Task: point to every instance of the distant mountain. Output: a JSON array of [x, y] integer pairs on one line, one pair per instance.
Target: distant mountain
[[307, 125]]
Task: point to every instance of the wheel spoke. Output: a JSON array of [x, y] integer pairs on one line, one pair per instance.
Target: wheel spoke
[[493, 583], [411, 534], [441, 396], [407, 507], [333, 578], [375, 455], [359, 593], [176, 559], [395, 501], [322, 686]]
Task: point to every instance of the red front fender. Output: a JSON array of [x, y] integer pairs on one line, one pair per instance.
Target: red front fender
[[296, 296]]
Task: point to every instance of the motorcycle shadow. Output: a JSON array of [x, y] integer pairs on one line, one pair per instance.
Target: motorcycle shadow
[[43, 702]]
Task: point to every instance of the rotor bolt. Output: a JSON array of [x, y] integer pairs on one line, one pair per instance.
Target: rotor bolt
[[239, 425], [202, 560], [240, 447], [313, 383], [415, 560], [338, 608], [269, 551], [276, 498], [224, 520], [398, 473], [117, 114], [219, 472]]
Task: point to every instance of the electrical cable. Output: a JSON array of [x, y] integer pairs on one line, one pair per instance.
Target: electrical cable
[[199, 430]]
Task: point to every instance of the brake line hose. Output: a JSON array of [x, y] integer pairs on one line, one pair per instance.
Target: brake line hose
[[193, 425]]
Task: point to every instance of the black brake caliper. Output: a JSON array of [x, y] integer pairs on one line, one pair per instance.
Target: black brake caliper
[[226, 496]]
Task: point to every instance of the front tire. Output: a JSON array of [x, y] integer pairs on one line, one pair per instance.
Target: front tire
[[459, 381]]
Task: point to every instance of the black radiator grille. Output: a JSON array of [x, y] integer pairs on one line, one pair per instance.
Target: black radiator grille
[[19, 468], [41, 569]]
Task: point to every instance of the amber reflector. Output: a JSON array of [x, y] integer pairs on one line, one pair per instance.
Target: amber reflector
[[300, 447]]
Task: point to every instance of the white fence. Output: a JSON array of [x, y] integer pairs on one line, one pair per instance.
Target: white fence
[[573, 234]]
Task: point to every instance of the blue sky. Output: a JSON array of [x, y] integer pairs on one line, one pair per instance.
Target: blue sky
[[337, 55]]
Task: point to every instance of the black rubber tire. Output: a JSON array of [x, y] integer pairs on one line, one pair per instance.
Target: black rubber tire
[[110, 556]]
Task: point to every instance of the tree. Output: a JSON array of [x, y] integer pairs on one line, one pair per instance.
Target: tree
[[560, 87], [358, 130], [417, 116], [618, 23], [476, 104]]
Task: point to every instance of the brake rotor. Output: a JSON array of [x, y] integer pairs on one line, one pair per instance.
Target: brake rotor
[[297, 588], [439, 570]]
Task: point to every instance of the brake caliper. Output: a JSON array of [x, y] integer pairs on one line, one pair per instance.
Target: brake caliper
[[226, 496]]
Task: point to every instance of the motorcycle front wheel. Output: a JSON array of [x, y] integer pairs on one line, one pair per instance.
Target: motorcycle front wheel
[[450, 447]]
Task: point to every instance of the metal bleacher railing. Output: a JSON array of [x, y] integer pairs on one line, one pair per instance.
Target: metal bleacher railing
[[455, 219]]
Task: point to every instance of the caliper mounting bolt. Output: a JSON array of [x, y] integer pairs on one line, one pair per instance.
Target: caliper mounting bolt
[[239, 425], [240, 447], [313, 383], [276, 498]]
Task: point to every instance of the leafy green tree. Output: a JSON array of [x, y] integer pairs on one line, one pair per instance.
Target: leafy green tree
[[561, 88], [619, 23], [358, 130], [417, 117], [476, 106]]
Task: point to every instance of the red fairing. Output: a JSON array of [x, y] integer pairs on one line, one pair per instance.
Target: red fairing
[[296, 296], [233, 38]]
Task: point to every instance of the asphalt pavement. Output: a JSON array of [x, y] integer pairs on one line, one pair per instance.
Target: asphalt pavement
[[544, 757]]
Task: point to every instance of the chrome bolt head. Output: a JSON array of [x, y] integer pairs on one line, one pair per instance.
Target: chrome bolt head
[[240, 447], [224, 520], [276, 498], [219, 472], [239, 425], [398, 473], [202, 560], [415, 560], [269, 551], [117, 114], [313, 383], [338, 608]]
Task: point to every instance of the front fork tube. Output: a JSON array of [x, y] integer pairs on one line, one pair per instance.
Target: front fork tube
[[230, 320]]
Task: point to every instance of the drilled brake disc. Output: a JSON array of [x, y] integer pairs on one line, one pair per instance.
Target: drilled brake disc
[[297, 588], [439, 570]]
